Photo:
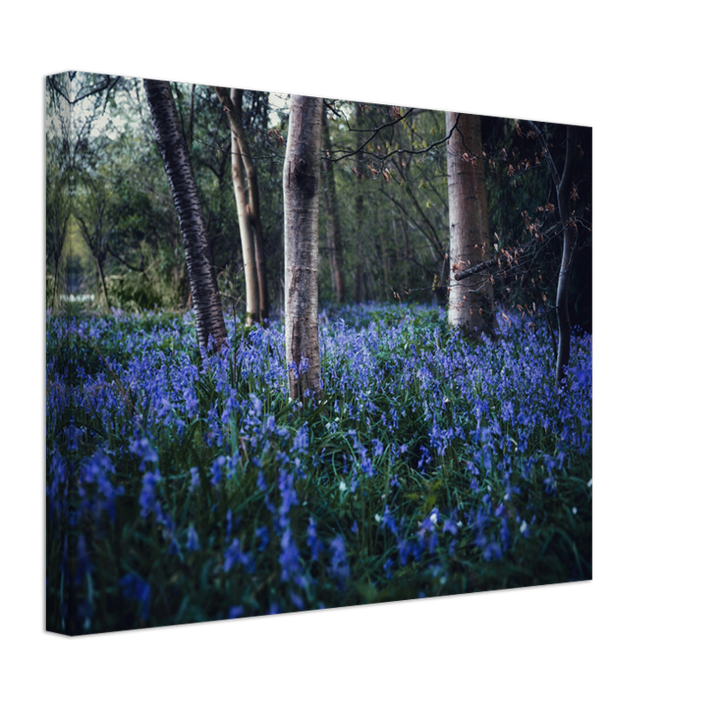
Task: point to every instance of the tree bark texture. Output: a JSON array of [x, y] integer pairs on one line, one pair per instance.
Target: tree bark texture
[[470, 303], [209, 320], [301, 187]]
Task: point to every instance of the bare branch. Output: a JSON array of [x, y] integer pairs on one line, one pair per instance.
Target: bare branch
[[543, 144], [510, 257], [398, 151]]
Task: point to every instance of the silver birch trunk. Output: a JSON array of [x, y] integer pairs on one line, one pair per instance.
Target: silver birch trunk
[[209, 320], [247, 234], [471, 301], [232, 104], [301, 188], [247, 237]]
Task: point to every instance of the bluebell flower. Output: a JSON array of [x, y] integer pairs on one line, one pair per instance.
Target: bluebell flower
[[191, 402], [492, 552], [405, 549], [479, 523], [428, 525], [147, 499], [425, 457], [339, 567], [257, 405], [314, 543], [289, 557], [216, 470], [236, 611], [228, 525], [194, 477], [145, 451], [450, 526], [165, 410], [234, 556], [302, 440], [524, 530], [287, 492], [261, 481], [231, 464], [270, 505], [549, 483], [269, 424], [210, 344], [365, 462], [264, 536], [193, 541], [389, 522]]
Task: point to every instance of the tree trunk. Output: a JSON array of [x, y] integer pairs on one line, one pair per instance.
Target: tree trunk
[[570, 234], [359, 210], [232, 103], [191, 119], [332, 221], [301, 188], [101, 276], [209, 320], [470, 303], [247, 233], [247, 239]]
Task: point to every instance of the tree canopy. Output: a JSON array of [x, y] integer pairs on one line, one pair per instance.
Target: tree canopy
[[388, 214]]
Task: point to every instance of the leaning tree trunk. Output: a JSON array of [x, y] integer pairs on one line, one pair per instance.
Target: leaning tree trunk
[[570, 235], [209, 320], [470, 303], [232, 104], [247, 237], [253, 206], [301, 187], [564, 188]]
